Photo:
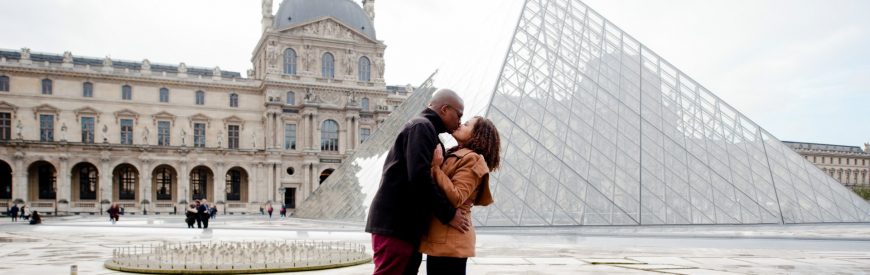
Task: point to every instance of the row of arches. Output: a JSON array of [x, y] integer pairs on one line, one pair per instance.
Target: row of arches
[[126, 183]]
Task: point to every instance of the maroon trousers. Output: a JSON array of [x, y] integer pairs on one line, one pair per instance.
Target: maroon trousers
[[393, 256]]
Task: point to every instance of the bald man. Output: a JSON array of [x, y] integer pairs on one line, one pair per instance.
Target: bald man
[[408, 196]]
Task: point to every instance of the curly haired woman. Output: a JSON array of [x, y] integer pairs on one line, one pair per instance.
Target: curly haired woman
[[464, 177]]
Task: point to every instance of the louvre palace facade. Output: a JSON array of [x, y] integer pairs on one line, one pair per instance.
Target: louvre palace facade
[[78, 133]]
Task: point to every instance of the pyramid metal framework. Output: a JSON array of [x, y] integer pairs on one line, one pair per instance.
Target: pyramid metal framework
[[596, 129], [599, 130]]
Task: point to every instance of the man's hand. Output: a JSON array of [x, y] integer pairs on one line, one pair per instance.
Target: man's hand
[[460, 222], [437, 156]]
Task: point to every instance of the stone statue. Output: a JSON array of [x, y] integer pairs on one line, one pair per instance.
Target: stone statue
[[105, 133], [216, 72], [253, 140], [145, 134], [308, 96], [67, 57], [146, 65], [182, 68], [63, 132], [267, 8], [348, 62], [19, 129], [271, 54], [107, 62], [25, 53], [183, 135], [309, 58], [220, 138], [379, 63]]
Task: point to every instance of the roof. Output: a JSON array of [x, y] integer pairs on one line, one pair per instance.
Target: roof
[[824, 147], [295, 12]]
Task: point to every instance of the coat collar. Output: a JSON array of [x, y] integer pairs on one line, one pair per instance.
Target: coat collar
[[433, 117]]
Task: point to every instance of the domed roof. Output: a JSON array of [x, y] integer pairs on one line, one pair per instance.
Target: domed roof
[[294, 12]]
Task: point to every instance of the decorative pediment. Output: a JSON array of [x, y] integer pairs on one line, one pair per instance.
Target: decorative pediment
[[45, 109], [87, 111], [8, 107], [163, 115], [327, 27], [234, 120], [127, 113], [200, 118]]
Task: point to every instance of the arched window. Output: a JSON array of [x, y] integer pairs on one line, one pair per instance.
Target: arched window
[[126, 92], [46, 86], [88, 89], [365, 69], [291, 98], [365, 104], [289, 61], [4, 83], [164, 183], [329, 135], [234, 100], [327, 67], [200, 98], [164, 95]]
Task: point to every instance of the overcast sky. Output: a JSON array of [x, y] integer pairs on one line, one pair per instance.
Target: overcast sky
[[800, 69]]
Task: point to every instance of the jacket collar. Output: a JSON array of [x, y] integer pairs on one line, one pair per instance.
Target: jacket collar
[[433, 117], [461, 152]]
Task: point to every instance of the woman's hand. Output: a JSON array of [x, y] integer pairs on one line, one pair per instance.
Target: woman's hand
[[437, 156]]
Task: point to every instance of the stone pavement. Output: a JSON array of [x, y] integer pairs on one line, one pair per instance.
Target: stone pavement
[[87, 241]]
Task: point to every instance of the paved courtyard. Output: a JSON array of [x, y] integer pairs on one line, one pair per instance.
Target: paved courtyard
[[87, 241]]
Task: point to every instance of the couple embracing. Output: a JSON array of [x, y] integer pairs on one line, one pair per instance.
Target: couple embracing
[[424, 201]]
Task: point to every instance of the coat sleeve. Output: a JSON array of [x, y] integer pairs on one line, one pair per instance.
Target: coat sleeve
[[464, 180], [418, 155]]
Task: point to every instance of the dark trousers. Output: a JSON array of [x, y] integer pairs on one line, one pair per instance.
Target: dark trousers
[[14, 217], [393, 256], [445, 265]]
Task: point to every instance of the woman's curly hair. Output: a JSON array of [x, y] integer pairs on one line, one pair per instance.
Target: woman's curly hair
[[485, 141]]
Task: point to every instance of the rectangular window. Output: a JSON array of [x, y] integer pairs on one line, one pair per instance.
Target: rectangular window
[[290, 136], [234, 185], [199, 135], [839, 160], [290, 198], [5, 126], [814, 159], [364, 134], [87, 89], [164, 184], [127, 180], [127, 131], [163, 133], [233, 136], [46, 127], [87, 130], [4, 83], [46, 86], [127, 92]]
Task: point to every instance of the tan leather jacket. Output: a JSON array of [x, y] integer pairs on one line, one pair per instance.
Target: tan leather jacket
[[464, 178]]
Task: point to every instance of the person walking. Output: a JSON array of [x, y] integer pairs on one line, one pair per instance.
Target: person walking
[[464, 177], [269, 210], [23, 212], [13, 212], [201, 216], [212, 212], [407, 196], [283, 211]]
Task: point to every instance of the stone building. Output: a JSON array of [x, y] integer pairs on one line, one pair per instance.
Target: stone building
[[78, 133], [847, 164]]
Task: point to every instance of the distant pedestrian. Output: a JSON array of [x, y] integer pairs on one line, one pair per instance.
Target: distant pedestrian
[[201, 215], [283, 211], [269, 210], [23, 212], [212, 212], [190, 215], [13, 212], [114, 212], [35, 219], [261, 210]]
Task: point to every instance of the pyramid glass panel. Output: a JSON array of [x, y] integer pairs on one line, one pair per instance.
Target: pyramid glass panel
[[635, 140], [597, 129]]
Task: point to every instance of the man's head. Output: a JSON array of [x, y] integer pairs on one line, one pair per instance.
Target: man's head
[[196, 202], [449, 107]]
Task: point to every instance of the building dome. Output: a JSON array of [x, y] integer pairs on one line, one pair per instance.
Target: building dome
[[294, 12]]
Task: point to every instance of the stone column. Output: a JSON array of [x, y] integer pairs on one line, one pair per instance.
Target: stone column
[[64, 183], [145, 184], [183, 183], [220, 185], [19, 178], [105, 180]]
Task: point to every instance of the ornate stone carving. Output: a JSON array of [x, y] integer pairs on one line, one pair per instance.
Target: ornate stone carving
[[379, 65], [182, 68], [348, 62], [107, 62], [267, 8], [67, 57]]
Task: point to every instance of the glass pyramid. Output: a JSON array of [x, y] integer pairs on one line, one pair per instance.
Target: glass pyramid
[[599, 130]]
